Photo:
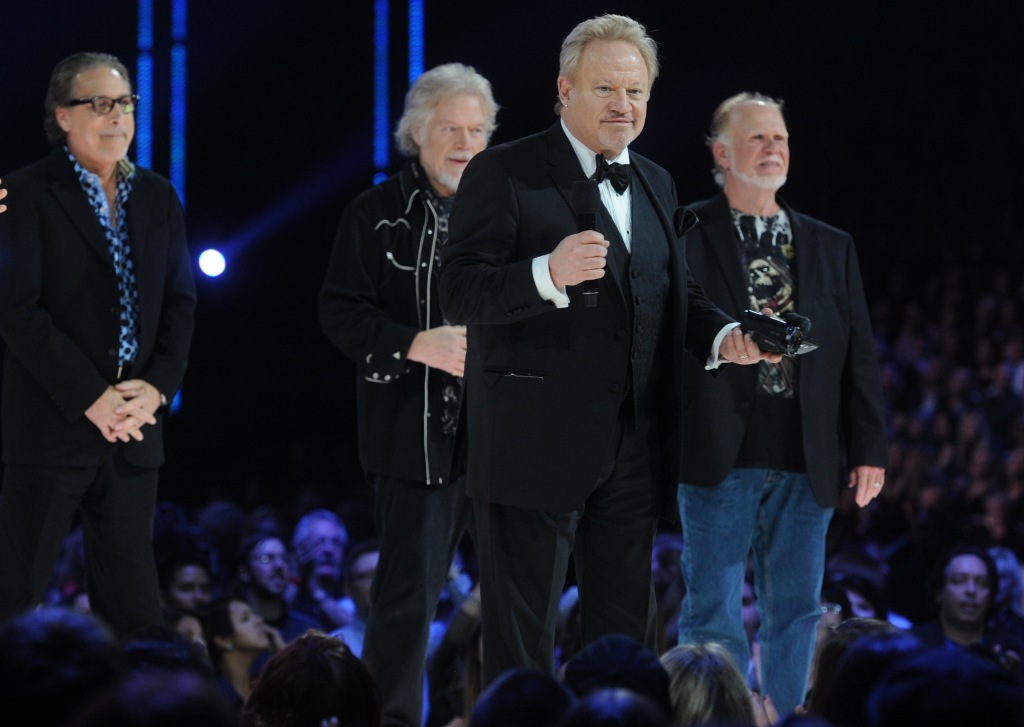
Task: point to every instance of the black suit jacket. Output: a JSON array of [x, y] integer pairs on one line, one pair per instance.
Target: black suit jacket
[[59, 313], [839, 383], [544, 385]]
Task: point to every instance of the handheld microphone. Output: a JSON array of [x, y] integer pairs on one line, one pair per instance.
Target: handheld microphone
[[585, 199]]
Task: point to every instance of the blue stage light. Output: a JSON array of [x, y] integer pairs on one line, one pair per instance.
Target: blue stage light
[[381, 118], [212, 263], [416, 29]]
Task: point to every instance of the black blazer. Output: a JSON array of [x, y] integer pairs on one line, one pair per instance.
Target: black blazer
[[59, 313], [839, 383], [544, 385]]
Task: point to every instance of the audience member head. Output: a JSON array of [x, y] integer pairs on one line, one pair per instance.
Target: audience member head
[[844, 703], [522, 697], [617, 661], [232, 628], [163, 649], [190, 624], [857, 595], [52, 660], [706, 686], [615, 708], [829, 652], [963, 583], [157, 700], [264, 565], [184, 577], [310, 680], [946, 688], [1011, 580], [359, 572], [319, 542]]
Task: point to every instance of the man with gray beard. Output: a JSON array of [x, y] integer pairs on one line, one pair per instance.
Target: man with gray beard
[[379, 305], [761, 464]]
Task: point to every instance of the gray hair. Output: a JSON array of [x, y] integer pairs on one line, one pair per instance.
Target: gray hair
[[721, 120], [430, 89], [304, 527], [62, 86], [608, 27]]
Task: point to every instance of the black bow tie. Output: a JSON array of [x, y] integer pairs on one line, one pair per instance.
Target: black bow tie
[[618, 174]]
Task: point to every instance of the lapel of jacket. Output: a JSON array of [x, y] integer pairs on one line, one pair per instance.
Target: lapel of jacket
[[808, 248], [641, 174], [720, 238], [140, 204], [67, 190], [564, 168]]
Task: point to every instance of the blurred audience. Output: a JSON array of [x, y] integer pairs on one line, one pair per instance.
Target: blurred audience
[[236, 637], [844, 703], [51, 661], [319, 543], [313, 681], [526, 697], [264, 569], [963, 584], [359, 572], [157, 700], [829, 651], [610, 707], [616, 661], [946, 689], [707, 687]]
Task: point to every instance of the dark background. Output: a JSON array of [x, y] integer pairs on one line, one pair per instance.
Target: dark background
[[906, 118]]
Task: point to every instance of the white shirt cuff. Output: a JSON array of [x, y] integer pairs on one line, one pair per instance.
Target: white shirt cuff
[[713, 360], [546, 287]]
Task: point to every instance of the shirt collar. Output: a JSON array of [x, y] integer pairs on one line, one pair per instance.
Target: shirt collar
[[125, 169], [588, 157]]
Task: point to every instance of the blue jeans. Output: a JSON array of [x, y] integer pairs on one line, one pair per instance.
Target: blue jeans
[[775, 514]]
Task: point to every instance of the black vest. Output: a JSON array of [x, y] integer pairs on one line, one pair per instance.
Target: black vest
[[644, 280]]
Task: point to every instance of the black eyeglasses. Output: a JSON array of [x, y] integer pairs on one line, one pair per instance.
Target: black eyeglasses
[[104, 104]]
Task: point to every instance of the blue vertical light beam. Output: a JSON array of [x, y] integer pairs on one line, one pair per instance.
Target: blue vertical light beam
[[179, 95], [381, 117], [144, 86], [416, 31]]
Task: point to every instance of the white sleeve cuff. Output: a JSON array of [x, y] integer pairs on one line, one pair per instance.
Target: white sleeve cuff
[[713, 360], [546, 287]]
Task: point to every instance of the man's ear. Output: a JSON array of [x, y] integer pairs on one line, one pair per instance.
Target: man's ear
[[564, 90], [720, 153], [62, 115]]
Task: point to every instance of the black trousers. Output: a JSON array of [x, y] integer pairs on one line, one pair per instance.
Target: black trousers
[[419, 529], [524, 556], [117, 501]]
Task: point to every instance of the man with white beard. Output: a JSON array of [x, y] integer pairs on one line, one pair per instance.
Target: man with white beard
[[761, 462], [379, 305]]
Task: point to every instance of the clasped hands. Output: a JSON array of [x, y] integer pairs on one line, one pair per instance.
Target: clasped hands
[[123, 409]]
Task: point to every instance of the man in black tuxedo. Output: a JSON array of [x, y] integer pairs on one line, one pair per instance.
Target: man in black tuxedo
[[761, 464], [96, 309], [572, 412]]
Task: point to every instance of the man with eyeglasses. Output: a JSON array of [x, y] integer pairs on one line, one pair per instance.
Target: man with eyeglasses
[[264, 570], [96, 309]]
